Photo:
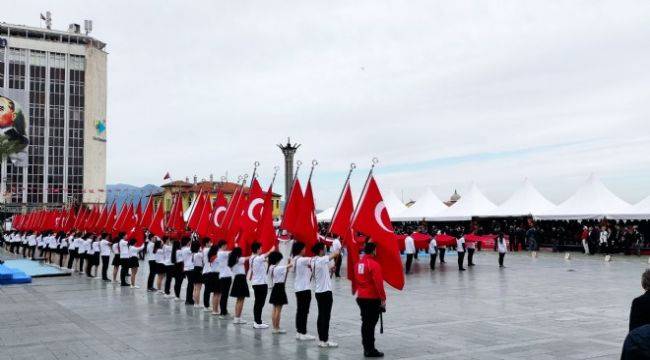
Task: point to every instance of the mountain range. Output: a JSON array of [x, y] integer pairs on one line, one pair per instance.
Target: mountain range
[[125, 193]]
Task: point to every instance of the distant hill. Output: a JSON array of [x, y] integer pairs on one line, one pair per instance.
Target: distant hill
[[121, 193]]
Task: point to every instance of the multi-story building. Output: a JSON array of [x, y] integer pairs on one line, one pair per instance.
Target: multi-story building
[[63, 77]]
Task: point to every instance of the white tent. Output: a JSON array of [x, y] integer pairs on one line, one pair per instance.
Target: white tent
[[526, 200], [592, 200], [394, 205], [638, 212], [325, 215], [427, 206], [472, 203]]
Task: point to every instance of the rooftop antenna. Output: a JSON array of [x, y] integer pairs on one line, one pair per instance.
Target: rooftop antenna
[[88, 26], [48, 19]]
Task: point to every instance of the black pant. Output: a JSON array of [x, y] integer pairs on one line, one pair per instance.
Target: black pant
[[152, 274], [170, 274], [71, 257], [409, 262], [370, 310], [337, 265], [124, 271], [62, 253], [260, 297], [105, 261], [178, 279], [501, 256], [432, 262], [89, 266], [470, 256], [82, 257], [442, 255], [303, 299], [224, 285], [209, 282], [324, 301], [461, 258], [189, 292]]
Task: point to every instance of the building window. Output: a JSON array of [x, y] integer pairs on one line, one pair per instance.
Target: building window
[[17, 61], [76, 89]]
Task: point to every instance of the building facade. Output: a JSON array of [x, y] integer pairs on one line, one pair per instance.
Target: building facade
[[63, 75]]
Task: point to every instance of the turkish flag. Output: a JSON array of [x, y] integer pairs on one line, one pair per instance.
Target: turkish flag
[[108, 225], [100, 219], [266, 232], [157, 225], [292, 207], [233, 217], [203, 225], [79, 219], [371, 219], [176, 222], [128, 221], [216, 226], [306, 226], [340, 226], [252, 214], [147, 216], [117, 224], [197, 208]]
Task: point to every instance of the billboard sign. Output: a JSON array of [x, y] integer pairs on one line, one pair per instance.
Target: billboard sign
[[13, 125]]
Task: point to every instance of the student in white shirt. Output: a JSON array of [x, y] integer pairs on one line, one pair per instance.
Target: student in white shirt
[[179, 275], [134, 264], [258, 277], [63, 249], [115, 248], [188, 270], [323, 266], [409, 250], [124, 258], [210, 279], [501, 248], [149, 258], [72, 251], [460, 249], [170, 265], [105, 254], [433, 253], [197, 273], [239, 290], [212, 276], [278, 274], [225, 279], [81, 250], [161, 266], [471, 247], [302, 289], [93, 256], [336, 248]]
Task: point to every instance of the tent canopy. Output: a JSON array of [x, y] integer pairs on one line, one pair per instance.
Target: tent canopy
[[592, 200], [471, 204], [325, 215], [394, 205], [526, 200], [426, 207]]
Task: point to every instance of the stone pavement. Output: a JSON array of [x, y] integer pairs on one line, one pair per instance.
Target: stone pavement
[[544, 308]]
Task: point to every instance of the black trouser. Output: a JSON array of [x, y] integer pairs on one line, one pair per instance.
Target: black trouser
[[209, 282], [62, 253], [89, 265], [178, 279], [82, 258], [171, 270], [124, 271], [409, 262], [224, 285], [470, 256], [303, 299], [432, 262], [106, 260], [501, 256], [189, 292], [24, 249], [152, 274], [461, 258], [442, 255], [260, 297], [370, 310], [337, 265], [324, 301], [71, 256]]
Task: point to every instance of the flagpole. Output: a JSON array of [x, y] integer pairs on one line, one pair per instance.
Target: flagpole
[[338, 203], [255, 165], [311, 172], [365, 188], [241, 178], [275, 173], [295, 178]]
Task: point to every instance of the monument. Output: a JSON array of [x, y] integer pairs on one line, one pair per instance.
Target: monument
[[288, 150]]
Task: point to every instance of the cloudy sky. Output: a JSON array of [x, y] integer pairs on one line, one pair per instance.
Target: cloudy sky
[[442, 92]]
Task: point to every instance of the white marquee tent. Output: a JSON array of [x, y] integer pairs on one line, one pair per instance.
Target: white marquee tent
[[426, 207], [526, 200], [394, 205], [325, 215], [473, 203], [592, 200], [640, 210]]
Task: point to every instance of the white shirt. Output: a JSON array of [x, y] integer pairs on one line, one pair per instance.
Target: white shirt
[[433, 246], [105, 248], [278, 274], [31, 240], [149, 255], [336, 245], [302, 280], [124, 248], [206, 262], [197, 259], [134, 250], [64, 242], [95, 246], [501, 246], [222, 263], [167, 254], [81, 245], [239, 268], [88, 244], [116, 248], [322, 266], [258, 269], [186, 255], [459, 244], [159, 256], [409, 245], [603, 236]]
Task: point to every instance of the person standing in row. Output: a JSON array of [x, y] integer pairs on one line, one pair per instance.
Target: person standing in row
[[501, 248], [115, 247], [337, 248], [258, 275], [82, 250], [212, 277], [471, 248], [197, 273], [188, 270], [371, 298], [124, 259], [302, 289], [225, 279], [460, 249], [161, 267], [322, 265], [433, 253], [179, 275], [170, 266], [134, 261], [105, 253], [63, 249], [149, 258], [239, 289], [409, 250], [278, 274], [94, 258]]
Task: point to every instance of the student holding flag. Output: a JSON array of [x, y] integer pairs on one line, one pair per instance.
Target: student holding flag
[[323, 266]]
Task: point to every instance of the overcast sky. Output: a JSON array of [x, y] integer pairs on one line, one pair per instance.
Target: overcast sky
[[442, 92]]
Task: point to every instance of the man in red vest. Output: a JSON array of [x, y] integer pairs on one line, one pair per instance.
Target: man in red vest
[[371, 297]]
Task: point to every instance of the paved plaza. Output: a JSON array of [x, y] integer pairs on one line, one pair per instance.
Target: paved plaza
[[544, 308]]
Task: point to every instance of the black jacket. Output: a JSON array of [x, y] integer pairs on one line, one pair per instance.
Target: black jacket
[[640, 312], [637, 344]]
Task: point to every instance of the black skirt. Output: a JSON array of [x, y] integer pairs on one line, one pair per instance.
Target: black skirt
[[95, 259], [63, 250], [278, 295], [239, 287], [160, 268], [116, 260], [133, 262], [197, 274]]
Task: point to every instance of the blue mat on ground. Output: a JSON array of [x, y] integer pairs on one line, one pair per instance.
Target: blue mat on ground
[[13, 276], [36, 268]]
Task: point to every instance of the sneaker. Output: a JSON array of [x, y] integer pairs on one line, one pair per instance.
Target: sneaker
[[198, 305], [279, 331], [161, 292], [373, 354], [305, 337], [226, 317], [215, 313], [135, 287], [327, 344], [207, 309], [239, 321], [177, 299], [260, 326]]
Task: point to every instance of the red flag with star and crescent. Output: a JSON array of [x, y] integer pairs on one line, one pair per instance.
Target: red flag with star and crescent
[[371, 219], [306, 226], [292, 207], [216, 227], [341, 226], [250, 218], [157, 225]]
